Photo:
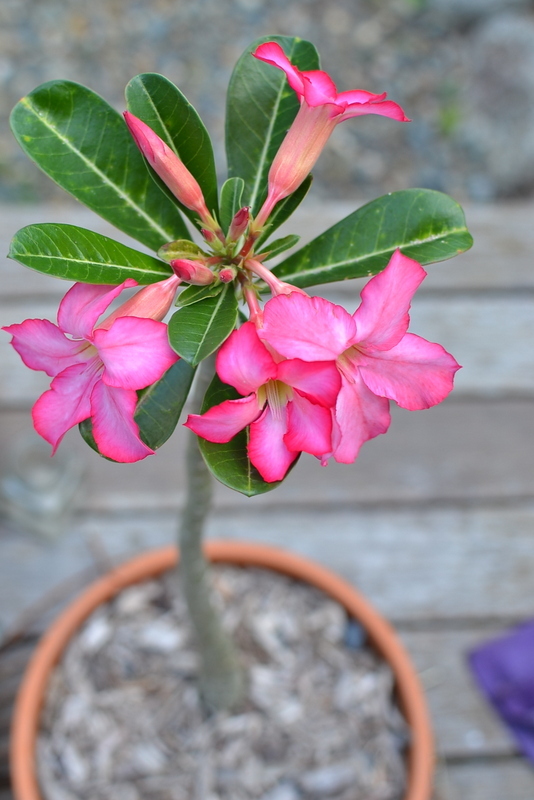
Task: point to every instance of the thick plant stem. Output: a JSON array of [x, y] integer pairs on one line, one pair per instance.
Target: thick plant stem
[[221, 679]]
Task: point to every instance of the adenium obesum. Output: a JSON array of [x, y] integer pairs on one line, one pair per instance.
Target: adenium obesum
[[97, 367], [375, 360], [312, 377]]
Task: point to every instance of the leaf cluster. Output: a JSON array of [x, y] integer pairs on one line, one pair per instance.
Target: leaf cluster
[[83, 144]]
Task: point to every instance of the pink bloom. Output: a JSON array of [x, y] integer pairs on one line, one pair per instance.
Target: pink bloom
[[377, 359], [170, 168], [321, 109], [96, 369], [286, 403]]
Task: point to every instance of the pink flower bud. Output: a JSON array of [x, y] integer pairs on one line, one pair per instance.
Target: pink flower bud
[[239, 224], [193, 272], [168, 166], [228, 274], [151, 302]]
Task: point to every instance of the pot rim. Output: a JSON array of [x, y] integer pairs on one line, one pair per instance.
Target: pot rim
[[48, 652]]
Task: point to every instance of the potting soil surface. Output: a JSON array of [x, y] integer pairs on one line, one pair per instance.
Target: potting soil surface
[[123, 719]]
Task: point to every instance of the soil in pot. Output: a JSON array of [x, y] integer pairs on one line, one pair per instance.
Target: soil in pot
[[123, 721]]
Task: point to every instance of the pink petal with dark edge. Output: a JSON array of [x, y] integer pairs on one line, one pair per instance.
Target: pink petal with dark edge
[[309, 427], [221, 423], [382, 318], [309, 328], [359, 416], [66, 403], [244, 362], [135, 352], [416, 374], [266, 448], [42, 346], [272, 53], [84, 303], [319, 381], [114, 428]]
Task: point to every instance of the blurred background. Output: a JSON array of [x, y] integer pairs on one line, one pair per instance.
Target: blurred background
[[462, 69], [435, 521]]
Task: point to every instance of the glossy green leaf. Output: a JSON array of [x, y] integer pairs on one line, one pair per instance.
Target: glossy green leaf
[[77, 254], [158, 408], [83, 144], [283, 210], [260, 108], [280, 246], [193, 294], [229, 462], [160, 405], [163, 107], [197, 330], [428, 226], [231, 196]]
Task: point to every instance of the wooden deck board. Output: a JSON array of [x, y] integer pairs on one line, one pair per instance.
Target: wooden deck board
[[434, 522]]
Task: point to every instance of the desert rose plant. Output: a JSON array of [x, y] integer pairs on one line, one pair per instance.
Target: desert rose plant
[[280, 372]]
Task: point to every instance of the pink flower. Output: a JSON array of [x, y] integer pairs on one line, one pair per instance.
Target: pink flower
[[321, 109], [286, 403], [96, 369], [377, 359], [170, 168]]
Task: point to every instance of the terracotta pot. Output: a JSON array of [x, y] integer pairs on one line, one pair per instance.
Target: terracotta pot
[[48, 653]]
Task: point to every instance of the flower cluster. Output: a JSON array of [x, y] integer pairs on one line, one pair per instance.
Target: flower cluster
[[319, 380], [312, 377]]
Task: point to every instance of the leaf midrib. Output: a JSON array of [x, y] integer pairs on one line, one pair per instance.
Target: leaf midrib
[[357, 260], [93, 168]]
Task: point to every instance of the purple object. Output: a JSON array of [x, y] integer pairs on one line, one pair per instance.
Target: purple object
[[504, 670]]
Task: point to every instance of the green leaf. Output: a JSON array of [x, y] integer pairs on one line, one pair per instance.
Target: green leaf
[[197, 330], [163, 107], [428, 226], [231, 194], [77, 254], [158, 408], [283, 210], [260, 108], [193, 294], [229, 462], [280, 245], [160, 405], [83, 144]]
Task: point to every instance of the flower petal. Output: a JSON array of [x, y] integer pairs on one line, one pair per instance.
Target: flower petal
[[384, 108], [135, 352], [272, 53], [319, 381], [221, 423], [310, 328], [319, 88], [66, 403], [382, 318], [42, 346], [84, 303], [359, 416], [266, 447], [114, 428], [415, 373], [309, 427], [244, 362]]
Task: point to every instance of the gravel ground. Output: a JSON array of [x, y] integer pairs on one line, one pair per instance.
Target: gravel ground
[[445, 62]]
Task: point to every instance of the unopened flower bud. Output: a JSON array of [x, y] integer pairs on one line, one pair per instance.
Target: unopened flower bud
[[193, 272], [169, 167], [239, 224], [228, 274], [152, 302]]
